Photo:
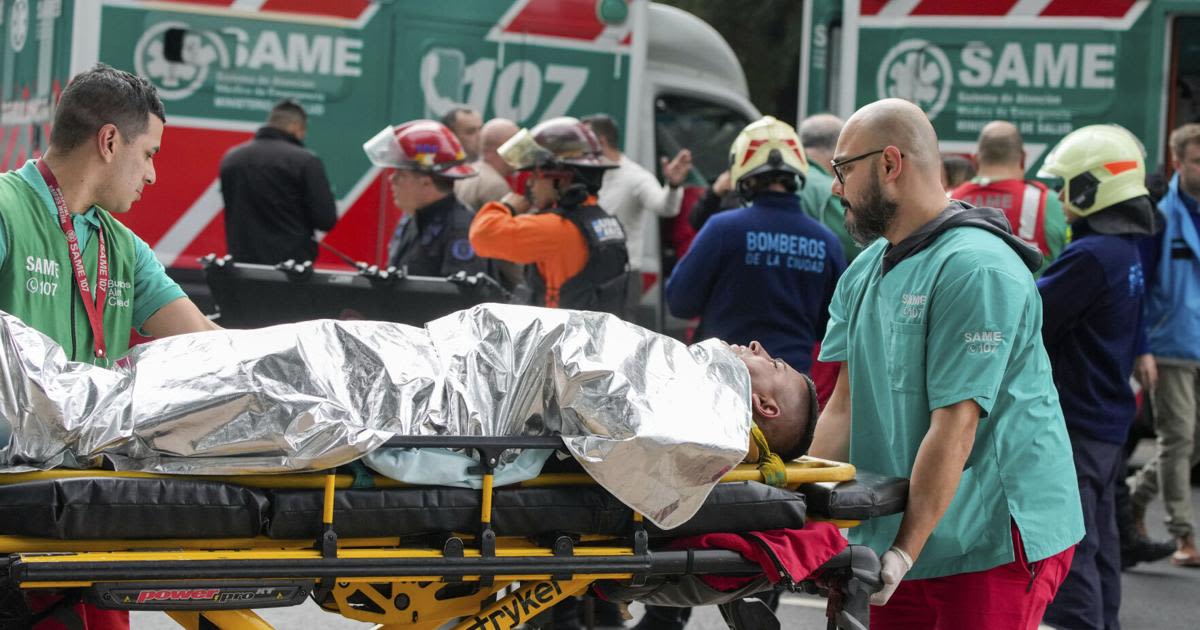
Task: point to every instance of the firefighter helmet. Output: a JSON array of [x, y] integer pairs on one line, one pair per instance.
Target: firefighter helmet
[[425, 146], [766, 146], [556, 144], [1099, 166]]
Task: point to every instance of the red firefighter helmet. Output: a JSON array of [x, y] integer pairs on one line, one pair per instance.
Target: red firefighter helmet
[[425, 146], [555, 144]]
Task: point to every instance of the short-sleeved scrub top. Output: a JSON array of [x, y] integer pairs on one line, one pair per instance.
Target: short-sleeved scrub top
[[958, 320]]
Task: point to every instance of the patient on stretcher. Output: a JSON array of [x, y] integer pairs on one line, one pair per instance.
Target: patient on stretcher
[[783, 402], [652, 420]]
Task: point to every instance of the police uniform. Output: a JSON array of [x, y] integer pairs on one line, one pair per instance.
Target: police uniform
[[434, 241]]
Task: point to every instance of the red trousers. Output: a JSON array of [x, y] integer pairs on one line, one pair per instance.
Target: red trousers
[[90, 617], [1011, 596]]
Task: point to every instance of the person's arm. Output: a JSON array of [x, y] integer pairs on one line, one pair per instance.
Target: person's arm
[[936, 472], [711, 203], [691, 281], [521, 238], [1145, 370], [1068, 287], [648, 194], [836, 259], [1150, 252], [831, 438], [666, 200], [3, 243], [962, 381], [160, 307], [321, 207], [176, 318]]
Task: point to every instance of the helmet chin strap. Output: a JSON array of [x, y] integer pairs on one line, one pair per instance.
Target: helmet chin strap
[[573, 197], [568, 194]]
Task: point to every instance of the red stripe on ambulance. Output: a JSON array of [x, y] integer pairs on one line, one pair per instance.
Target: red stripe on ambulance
[[958, 7], [1088, 8]]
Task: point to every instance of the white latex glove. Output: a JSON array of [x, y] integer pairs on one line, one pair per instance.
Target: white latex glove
[[895, 564]]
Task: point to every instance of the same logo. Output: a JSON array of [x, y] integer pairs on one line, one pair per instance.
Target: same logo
[[178, 79], [917, 71]]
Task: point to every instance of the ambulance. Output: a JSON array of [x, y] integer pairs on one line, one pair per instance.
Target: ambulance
[[1049, 66], [220, 65]]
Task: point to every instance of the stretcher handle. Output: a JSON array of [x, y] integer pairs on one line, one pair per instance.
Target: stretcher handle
[[129, 567]]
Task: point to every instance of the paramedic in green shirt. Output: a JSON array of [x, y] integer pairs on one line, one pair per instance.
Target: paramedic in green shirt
[[107, 128], [946, 382]]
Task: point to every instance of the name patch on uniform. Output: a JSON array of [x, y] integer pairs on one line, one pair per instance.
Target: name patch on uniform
[[43, 276], [462, 250], [608, 229], [983, 342], [913, 305], [780, 249], [120, 294]]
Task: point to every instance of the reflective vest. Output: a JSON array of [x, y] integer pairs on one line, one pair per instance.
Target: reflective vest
[[1023, 203], [602, 284]]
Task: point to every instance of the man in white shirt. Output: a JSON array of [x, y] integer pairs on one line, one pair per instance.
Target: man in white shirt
[[633, 195]]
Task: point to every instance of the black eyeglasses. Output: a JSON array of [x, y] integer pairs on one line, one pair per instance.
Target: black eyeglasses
[[837, 166]]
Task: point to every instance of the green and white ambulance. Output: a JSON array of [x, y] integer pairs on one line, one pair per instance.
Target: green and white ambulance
[[357, 66], [1047, 65]]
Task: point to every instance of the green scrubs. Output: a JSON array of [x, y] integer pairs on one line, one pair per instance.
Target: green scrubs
[[959, 320]]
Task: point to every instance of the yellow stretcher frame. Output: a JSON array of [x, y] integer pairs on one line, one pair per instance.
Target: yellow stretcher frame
[[403, 599]]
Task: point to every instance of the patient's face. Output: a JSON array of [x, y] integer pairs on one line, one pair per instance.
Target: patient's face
[[770, 377], [777, 391]]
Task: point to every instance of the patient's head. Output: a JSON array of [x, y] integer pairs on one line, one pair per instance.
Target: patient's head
[[781, 399]]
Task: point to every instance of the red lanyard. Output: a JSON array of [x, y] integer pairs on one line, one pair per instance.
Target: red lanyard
[[95, 309]]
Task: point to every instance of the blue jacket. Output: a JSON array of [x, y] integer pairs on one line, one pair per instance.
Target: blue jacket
[[1173, 290], [1092, 311], [765, 272]]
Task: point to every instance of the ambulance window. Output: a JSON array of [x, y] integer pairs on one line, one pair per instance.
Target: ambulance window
[[1187, 73], [704, 127]]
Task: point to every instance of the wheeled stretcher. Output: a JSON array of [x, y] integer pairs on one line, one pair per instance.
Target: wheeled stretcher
[[207, 550]]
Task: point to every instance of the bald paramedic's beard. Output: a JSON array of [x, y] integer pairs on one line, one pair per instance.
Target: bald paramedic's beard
[[872, 216]]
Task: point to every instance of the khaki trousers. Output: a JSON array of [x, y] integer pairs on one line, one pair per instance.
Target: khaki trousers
[[1175, 421]]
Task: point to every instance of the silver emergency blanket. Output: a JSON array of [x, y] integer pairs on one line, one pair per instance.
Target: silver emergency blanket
[[655, 422]]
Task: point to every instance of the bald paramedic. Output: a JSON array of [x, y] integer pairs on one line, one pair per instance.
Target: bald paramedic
[[1033, 211], [945, 381], [68, 267]]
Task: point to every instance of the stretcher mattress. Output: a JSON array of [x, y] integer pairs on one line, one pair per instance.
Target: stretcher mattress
[[140, 508], [869, 495]]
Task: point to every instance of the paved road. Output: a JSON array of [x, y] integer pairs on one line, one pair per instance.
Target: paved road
[[1156, 597]]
